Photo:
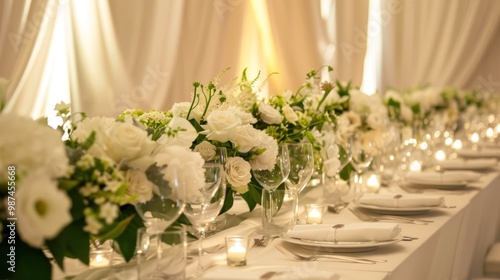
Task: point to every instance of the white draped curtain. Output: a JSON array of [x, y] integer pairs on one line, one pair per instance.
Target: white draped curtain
[[442, 43], [106, 56]]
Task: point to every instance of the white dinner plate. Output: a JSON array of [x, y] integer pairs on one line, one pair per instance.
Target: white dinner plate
[[396, 210], [419, 183], [339, 247]]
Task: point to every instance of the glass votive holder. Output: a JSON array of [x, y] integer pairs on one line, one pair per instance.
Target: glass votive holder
[[314, 213], [101, 255], [236, 250]]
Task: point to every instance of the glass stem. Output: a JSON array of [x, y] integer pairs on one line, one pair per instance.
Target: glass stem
[[200, 251], [295, 197]]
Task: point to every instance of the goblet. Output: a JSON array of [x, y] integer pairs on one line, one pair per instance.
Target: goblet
[[362, 151], [204, 204], [301, 169], [165, 204], [270, 180], [335, 157]]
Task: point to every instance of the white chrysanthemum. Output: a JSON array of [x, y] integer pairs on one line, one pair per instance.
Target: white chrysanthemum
[[42, 209], [28, 146]]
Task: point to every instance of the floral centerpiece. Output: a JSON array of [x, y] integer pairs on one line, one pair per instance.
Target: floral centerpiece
[[59, 196]]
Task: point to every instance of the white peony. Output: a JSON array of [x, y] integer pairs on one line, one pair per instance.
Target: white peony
[[184, 166], [245, 137], [42, 209], [269, 114], [184, 136], [238, 174], [28, 146], [221, 125], [139, 185], [267, 159]]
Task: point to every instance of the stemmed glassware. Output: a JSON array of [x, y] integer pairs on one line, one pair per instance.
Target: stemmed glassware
[[301, 169], [362, 152], [204, 204], [165, 204], [336, 156], [270, 180]]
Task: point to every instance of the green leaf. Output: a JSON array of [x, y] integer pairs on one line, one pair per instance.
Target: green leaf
[[127, 240], [345, 173], [89, 141], [228, 201], [75, 241], [116, 229]]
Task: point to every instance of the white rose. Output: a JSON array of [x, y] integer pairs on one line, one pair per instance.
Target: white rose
[[375, 121], [126, 142], [42, 209], [139, 185], [290, 114], [238, 174], [245, 117], [206, 150], [221, 125], [245, 137], [184, 136], [269, 114]]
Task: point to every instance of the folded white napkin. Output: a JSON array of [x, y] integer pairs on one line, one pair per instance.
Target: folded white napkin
[[355, 232], [447, 176], [404, 200], [460, 163], [269, 272]]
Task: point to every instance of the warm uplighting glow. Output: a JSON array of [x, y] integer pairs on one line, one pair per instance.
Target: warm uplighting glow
[[497, 128]]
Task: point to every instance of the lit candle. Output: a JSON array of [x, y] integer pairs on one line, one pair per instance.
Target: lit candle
[[474, 138], [99, 261], [236, 250], [314, 213], [457, 145], [415, 166], [373, 183], [440, 155]]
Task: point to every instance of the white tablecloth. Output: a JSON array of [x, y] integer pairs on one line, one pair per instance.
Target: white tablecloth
[[452, 247]]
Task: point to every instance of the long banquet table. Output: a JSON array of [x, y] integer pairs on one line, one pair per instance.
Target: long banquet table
[[453, 246]]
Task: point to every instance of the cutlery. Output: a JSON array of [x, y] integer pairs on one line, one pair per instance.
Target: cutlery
[[265, 240], [370, 218], [300, 257]]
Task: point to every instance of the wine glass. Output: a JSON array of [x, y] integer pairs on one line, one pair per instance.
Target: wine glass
[[165, 204], [270, 180], [204, 204], [301, 169], [362, 153], [336, 156]]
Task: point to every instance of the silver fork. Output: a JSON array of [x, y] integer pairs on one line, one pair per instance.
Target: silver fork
[[369, 218], [298, 257]]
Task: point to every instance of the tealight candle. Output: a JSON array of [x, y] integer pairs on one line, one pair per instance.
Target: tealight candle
[[314, 213], [440, 155], [236, 250], [415, 166], [373, 183], [101, 256], [99, 261]]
